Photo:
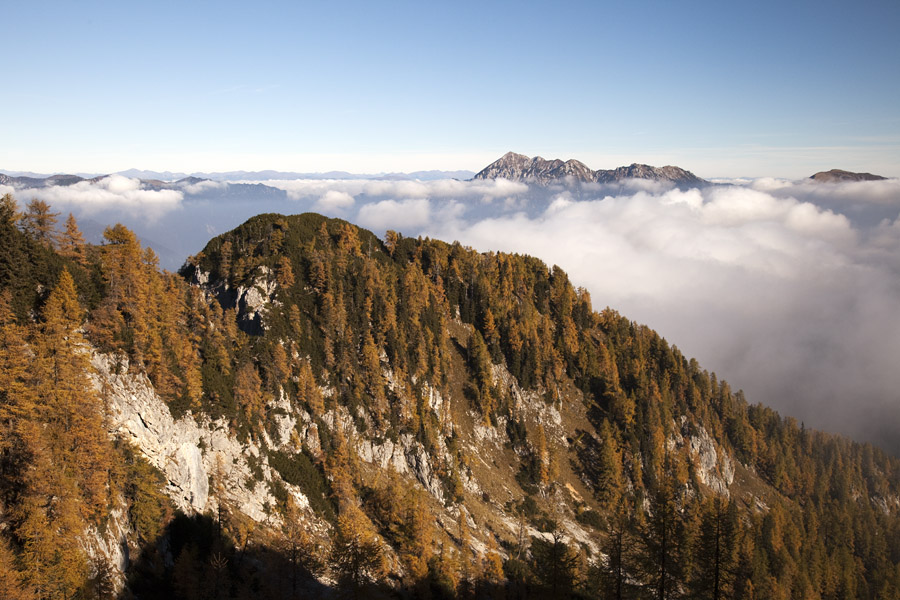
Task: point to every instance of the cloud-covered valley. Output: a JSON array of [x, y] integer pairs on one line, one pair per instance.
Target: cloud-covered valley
[[788, 290]]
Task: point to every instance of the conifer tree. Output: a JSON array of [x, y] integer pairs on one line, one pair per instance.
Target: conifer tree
[[542, 456], [716, 549], [39, 222], [555, 564], [610, 480], [71, 241], [12, 580], [249, 395], [73, 410], [9, 209], [661, 543], [357, 557], [303, 554]]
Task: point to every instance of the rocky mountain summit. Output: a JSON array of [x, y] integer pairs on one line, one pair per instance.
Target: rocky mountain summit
[[518, 167], [838, 176]]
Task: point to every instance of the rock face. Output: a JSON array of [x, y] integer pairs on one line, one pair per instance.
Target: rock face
[[189, 453], [518, 167], [837, 176], [714, 467]]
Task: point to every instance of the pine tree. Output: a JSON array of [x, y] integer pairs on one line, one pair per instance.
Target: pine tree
[[302, 553], [391, 241], [9, 210], [615, 576], [73, 410]]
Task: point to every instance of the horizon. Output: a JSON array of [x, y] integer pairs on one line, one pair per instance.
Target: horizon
[[173, 175]]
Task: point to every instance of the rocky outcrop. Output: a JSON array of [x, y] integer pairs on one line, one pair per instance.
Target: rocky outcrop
[[108, 550], [253, 301], [713, 467], [193, 454]]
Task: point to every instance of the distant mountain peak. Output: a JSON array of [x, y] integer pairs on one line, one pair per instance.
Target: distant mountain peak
[[518, 167], [839, 175]]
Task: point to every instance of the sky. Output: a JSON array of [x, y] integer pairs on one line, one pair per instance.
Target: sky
[[762, 89]]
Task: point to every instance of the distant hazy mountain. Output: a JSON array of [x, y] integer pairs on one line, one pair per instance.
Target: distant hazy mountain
[[518, 167], [34, 180], [270, 174], [158, 179], [837, 175], [162, 176]]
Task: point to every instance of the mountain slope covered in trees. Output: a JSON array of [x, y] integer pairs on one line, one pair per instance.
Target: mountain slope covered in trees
[[412, 417]]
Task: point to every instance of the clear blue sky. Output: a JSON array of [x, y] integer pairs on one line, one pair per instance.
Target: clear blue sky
[[721, 88]]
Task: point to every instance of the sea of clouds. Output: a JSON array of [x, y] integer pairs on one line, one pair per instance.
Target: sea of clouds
[[789, 290]]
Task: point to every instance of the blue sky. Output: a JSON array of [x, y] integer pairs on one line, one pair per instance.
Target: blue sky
[[723, 89]]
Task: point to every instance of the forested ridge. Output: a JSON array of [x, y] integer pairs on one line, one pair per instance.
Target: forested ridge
[[561, 443]]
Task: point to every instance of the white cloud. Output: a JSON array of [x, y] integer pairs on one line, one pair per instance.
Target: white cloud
[[113, 192], [203, 186], [305, 189], [784, 298], [333, 201], [393, 214]]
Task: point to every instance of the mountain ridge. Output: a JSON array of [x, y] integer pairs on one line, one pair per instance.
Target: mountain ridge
[[518, 167], [839, 175], [460, 422]]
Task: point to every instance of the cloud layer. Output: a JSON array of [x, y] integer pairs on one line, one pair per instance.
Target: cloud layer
[[786, 299], [113, 192]]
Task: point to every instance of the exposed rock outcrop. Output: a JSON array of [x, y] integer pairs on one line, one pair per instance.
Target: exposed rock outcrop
[[192, 454], [713, 467]]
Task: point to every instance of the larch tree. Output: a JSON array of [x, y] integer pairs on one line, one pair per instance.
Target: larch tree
[[542, 456], [71, 241], [248, 394], [715, 555], [12, 580], [610, 482], [39, 222], [357, 557], [73, 410], [555, 564]]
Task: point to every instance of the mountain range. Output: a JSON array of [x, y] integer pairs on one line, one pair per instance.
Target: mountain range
[[39, 180], [838, 175], [518, 167], [510, 166]]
